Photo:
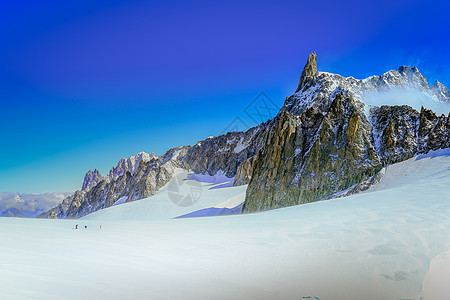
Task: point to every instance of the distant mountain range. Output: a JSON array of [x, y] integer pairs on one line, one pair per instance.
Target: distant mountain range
[[333, 136], [28, 205]]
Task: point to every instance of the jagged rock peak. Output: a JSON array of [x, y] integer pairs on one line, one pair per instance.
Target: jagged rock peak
[[441, 91], [91, 179], [413, 77], [309, 71], [129, 164], [320, 90], [408, 69]]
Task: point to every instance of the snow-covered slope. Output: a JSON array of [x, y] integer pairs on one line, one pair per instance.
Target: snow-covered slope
[[373, 245], [185, 193]]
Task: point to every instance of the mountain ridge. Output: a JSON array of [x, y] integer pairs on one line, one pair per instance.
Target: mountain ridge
[[326, 110], [329, 139]]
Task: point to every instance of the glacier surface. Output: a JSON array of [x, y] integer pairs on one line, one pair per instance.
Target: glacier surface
[[378, 244]]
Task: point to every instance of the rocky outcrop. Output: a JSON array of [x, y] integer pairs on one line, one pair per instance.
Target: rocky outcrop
[[244, 172], [60, 210], [400, 132], [433, 132], [309, 72], [312, 156], [394, 132], [226, 152], [153, 175], [329, 142], [92, 178], [129, 164]]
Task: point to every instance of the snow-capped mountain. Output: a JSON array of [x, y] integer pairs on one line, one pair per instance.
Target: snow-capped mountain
[[333, 134], [318, 89], [441, 91], [328, 139]]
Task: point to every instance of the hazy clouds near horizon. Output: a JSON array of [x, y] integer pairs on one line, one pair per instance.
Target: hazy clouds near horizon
[[28, 205]]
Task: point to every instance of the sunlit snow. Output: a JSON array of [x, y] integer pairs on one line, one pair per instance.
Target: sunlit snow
[[373, 245]]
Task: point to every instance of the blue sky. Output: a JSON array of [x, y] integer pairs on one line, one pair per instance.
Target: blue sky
[[84, 83]]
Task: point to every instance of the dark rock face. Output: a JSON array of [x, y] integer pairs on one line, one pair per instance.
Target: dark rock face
[[312, 156], [226, 152], [92, 178], [244, 172], [433, 132], [317, 154], [309, 72], [394, 132], [400, 132]]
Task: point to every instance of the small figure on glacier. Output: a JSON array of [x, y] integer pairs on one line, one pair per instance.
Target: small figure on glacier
[[76, 226], [85, 226]]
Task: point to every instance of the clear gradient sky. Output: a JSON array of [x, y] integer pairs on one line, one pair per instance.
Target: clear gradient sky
[[84, 83]]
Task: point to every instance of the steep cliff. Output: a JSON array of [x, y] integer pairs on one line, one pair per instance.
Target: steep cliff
[[312, 156], [328, 140]]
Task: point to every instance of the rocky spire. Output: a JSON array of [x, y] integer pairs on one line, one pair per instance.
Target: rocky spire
[[91, 179], [310, 70]]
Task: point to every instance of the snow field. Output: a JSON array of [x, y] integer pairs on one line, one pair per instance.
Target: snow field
[[209, 192], [374, 245]]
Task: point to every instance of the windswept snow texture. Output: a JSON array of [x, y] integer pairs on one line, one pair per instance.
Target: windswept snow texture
[[230, 206], [214, 211], [220, 180], [373, 245]]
